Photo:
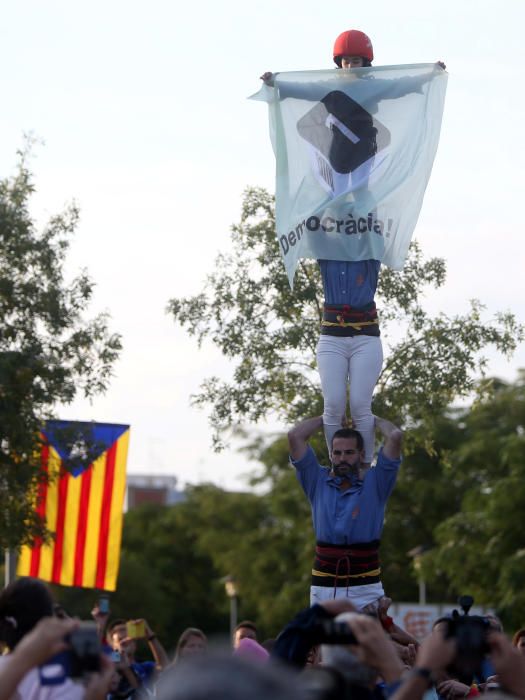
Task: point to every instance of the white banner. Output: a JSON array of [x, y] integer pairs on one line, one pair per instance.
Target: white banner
[[418, 619], [354, 151]]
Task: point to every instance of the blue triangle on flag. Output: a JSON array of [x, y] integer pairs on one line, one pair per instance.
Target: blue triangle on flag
[[79, 444]]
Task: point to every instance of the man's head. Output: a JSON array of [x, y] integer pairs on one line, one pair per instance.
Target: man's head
[[117, 636], [353, 49], [22, 604], [347, 452], [244, 629], [494, 622]]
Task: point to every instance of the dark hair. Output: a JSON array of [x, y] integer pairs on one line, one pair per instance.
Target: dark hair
[[349, 433], [494, 622], [113, 625], [439, 620], [22, 604], [517, 636], [246, 623], [185, 636], [367, 63]]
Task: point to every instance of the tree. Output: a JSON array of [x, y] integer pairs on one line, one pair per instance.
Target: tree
[[480, 548], [270, 333], [263, 541], [49, 351]]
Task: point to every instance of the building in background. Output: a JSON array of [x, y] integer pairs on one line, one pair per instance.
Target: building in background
[[152, 488]]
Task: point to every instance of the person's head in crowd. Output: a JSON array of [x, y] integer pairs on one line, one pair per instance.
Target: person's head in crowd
[[518, 640], [191, 641], [22, 604], [494, 622], [227, 677], [245, 629], [314, 656], [117, 636], [441, 624]]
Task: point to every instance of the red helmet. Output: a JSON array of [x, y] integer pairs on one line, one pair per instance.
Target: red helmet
[[353, 43]]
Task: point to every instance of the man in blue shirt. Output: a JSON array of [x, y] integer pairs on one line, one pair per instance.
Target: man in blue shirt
[[348, 509]]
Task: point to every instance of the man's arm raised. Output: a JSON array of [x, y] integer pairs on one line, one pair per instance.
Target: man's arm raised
[[393, 437], [299, 435]]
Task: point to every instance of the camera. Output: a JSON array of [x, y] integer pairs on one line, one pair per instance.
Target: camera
[[85, 650], [83, 656], [332, 632], [470, 633]]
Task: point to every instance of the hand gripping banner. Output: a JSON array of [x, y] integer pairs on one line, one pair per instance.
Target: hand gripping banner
[[354, 151]]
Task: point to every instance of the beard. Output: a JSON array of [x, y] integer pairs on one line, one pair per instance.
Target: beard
[[345, 469]]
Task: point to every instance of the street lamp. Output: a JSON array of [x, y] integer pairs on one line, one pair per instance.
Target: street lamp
[[230, 585], [10, 561], [417, 556]]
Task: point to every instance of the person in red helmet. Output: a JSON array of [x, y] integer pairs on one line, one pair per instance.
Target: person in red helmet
[[350, 353], [353, 49]]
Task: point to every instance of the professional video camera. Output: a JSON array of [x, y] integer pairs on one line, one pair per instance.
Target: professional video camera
[[470, 633]]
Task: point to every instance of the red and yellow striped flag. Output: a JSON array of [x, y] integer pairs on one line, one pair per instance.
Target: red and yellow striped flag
[[82, 506]]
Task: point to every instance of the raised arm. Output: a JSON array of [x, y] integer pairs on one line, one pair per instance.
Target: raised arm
[[157, 650], [299, 435], [393, 437], [45, 639]]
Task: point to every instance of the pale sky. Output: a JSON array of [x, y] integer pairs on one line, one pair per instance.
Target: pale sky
[[143, 111]]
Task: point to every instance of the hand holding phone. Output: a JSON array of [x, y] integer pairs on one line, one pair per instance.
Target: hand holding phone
[[136, 629], [103, 605]]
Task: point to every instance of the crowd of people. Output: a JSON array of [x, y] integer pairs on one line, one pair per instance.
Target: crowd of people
[[328, 650]]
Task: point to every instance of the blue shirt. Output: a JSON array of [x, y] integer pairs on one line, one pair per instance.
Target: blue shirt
[[351, 516], [143, 670], [352, 283]]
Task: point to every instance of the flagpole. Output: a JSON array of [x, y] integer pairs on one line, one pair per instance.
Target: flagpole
[[10, 566]]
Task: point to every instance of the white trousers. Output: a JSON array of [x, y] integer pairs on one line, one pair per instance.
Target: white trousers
[[360, 596], [354, 360]]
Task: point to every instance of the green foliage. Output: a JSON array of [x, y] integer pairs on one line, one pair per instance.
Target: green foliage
[[257, 540], [427, 491], [49, 351], [270, 333], [480, 548]]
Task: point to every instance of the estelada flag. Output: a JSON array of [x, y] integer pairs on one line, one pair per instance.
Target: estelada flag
[[82, 502]]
